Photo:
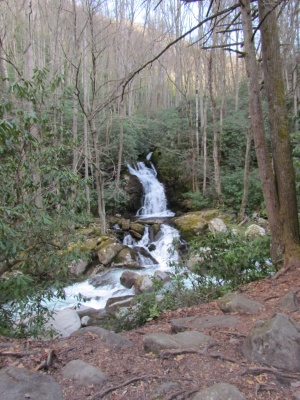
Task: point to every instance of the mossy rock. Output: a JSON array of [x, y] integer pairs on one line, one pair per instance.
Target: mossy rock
[[139, 228], [126, 258], [108, 250], [194, 223]]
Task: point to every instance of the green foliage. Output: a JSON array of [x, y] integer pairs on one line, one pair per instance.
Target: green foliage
[[231, 259], [232, 191], [34, 240], [182, 291], [199, 201]]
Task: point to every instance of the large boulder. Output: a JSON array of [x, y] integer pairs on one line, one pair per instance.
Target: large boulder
[[64, 322], [254, 231], [143, 284], [274, 342], [217, 225], [155, 342], [19, 384], [108, 250], [108, 337], [220, 391], [233, 302], [202, 323], [115, 304], [191, 224], [126, 258], [78, 267], [128, 279], [289, 302], [137, 227], [83, 373]]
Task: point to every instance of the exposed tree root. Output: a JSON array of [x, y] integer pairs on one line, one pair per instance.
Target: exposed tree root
[[173, 353], [259, 371], [102, 394], [17, 354]]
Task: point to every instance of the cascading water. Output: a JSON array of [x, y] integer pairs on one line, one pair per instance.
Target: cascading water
[[155, 201], [161, 257]]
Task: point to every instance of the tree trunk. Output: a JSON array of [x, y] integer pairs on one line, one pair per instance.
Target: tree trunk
[[216, 134], [246, 174], [280, 139], [261, 146]]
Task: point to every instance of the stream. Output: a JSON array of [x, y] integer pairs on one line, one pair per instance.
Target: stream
[[154, 206]]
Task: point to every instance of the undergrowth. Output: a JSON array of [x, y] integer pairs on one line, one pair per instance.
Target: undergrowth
[[223, 262]]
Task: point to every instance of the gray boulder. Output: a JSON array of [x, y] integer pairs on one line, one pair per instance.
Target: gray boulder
[[289, 302], [126, 258], [162, 276], [220, 391], [109, 337], [156, 342], [19, 384], [217, 225], [201, 323], [128, 279], [64, 322], [108, 250], [79, 267], [115, 304], [254, 231], [83, 373], [232, 302], [143, 284], [274, 342]]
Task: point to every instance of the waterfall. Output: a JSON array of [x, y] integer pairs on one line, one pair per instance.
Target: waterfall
[[154, 199], [160, 258]]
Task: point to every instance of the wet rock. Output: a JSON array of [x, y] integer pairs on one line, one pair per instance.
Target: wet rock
[[128, 279], [108, 250], [79, 267], [232, 302], [83, 373], [191, 224], [274, 342], [125, 224], [289, 302], [220, 391], [143, 284], [115, 304], [95, 318], [254, 231], [135, 234], [64, 322], [155, 342], [217, 225], [137, 227], [126, 258], [83, 310], [162, 276], [201, 323], [19, 384], [151, 247], [108, 337]]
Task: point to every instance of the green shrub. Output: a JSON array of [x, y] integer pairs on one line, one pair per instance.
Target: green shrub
[[231, 259]]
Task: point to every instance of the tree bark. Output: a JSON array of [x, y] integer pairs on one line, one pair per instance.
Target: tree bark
[[278, 123], [216, 133]]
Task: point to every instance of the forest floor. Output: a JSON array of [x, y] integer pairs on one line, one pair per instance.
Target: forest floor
[[136, 375]]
